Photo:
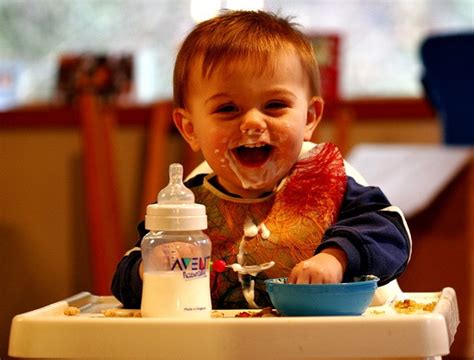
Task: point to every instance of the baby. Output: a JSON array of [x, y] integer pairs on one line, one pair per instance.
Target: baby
[[247, 94]]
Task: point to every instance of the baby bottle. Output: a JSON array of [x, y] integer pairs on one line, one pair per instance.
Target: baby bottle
[[176, 254]]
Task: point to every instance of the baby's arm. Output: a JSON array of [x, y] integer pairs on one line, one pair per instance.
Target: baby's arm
[[127, 283], [372, 234], [326, 267]]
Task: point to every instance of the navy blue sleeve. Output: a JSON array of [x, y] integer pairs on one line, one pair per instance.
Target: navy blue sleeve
[[126, 284], [376, 241]]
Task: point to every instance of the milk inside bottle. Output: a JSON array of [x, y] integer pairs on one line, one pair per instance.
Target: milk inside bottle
[[176, 254]]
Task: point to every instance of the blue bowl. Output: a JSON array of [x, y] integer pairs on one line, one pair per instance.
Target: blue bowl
[[351, 298]]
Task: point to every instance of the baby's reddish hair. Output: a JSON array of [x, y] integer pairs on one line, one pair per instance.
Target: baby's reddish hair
[[243, 37]]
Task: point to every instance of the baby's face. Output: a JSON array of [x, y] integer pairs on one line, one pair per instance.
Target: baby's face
[[250, 125]]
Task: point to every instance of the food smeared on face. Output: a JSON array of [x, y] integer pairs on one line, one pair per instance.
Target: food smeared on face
[[249, 124]]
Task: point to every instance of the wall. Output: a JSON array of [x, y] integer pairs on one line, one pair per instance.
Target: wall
[[43, 232]]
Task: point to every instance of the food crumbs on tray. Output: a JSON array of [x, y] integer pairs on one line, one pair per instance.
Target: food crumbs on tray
[[265, 312], [121, 313], [217, 314], [376, 312], [72, 311], [409, 306]]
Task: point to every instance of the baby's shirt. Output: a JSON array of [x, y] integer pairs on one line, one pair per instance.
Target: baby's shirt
[[290, 222], [316, 206]]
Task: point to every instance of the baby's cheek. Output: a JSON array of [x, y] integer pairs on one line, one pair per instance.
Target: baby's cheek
[[218, 154], [287, 156], [220, 143]]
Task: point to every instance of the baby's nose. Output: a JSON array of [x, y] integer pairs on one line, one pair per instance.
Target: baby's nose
[[253, 123]]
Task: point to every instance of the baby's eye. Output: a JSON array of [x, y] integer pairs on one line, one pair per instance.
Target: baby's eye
[[227, 108], [275, 105]]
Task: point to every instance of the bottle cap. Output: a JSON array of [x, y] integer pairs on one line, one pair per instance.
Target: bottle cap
[[175, 210]]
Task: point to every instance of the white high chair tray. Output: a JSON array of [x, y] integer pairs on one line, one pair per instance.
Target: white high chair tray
[[381, 332]]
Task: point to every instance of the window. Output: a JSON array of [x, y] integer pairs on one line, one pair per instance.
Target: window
[[379, 39]]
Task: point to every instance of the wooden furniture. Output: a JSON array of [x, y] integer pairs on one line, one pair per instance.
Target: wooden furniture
[[361, 109], [106, 240], [443, 253], [156, 154], [98, 124], [434, 186]]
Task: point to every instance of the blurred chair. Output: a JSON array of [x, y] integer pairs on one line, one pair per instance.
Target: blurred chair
[[98, 121], [157, 157], [106, 240], [448, 78]]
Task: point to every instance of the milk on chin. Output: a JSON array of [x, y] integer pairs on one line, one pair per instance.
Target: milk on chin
[[169, 294]]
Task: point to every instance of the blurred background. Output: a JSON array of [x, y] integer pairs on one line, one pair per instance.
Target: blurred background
[[33, 34], [54, 152]]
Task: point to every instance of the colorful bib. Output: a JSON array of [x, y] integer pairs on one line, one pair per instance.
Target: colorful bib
[[291, 222]]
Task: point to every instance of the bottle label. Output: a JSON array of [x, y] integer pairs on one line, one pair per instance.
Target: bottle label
[[192, 268]]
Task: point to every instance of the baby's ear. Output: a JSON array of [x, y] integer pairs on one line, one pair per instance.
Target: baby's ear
[[183, 122], [313, 116]]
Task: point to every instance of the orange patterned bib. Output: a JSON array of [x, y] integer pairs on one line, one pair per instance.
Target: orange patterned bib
[[291, 222]]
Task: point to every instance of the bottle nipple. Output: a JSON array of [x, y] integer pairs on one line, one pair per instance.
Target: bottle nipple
[[175, 192], [176, 209]]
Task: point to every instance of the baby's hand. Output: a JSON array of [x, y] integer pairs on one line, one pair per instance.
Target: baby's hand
[[326, 267]]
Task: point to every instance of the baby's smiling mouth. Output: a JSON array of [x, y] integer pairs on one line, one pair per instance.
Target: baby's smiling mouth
[[253, 155]]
